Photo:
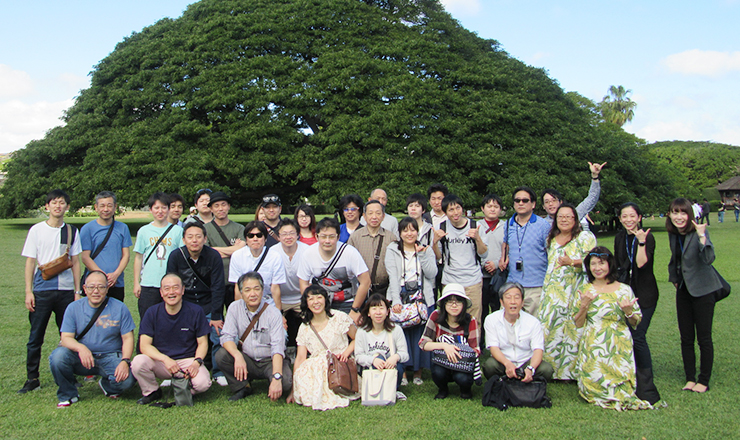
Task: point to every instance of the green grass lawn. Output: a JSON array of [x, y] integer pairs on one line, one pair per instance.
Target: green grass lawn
[[688, 416]]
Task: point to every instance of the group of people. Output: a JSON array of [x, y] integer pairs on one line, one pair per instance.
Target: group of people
[[405, 295]]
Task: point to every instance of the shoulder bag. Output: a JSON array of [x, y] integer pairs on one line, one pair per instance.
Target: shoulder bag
[[61, 263], [342, 376]]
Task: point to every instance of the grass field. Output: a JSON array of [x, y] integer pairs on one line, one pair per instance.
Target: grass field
[[688, 416]]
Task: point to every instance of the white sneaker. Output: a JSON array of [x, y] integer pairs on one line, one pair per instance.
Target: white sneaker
[[404, 382], [66, 403], [221, 380], [165, 383], [418, 381], [400, 396]]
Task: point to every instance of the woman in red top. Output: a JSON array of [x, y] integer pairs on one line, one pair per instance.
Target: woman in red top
[[451, 319]]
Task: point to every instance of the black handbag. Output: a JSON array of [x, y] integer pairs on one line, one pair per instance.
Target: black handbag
[[503, 392], [724, 292]]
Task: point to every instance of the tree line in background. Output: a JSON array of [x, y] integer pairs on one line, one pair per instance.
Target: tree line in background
[[320, 98]]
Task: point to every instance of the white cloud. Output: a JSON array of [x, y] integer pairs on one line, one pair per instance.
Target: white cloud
[[21, 122], [669, 131], [462, 7], [14, 83], [703, 62]]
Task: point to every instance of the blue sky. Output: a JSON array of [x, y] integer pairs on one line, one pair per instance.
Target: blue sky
[[680, 58]]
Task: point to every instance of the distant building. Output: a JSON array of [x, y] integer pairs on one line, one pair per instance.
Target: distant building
[[730, 188]]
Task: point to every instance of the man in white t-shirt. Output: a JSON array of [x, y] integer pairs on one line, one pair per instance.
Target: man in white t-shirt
[[47, 241], [461, 247], [515, 339], [291, 251], [256, 256], [348, 280]]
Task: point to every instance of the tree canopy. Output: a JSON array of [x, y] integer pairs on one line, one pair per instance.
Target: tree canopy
[[320, 98]]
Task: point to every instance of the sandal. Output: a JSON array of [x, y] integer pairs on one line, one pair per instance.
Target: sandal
[[689, 386]]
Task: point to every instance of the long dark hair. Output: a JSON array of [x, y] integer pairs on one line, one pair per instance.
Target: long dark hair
[[402, 225], [375, 300], [554, 231], [306, 313], [680, 205], [610, 260], [309, 212], [463, 319]]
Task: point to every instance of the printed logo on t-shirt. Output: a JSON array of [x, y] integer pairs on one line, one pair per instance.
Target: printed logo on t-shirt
[[105, 322], [185, 329]]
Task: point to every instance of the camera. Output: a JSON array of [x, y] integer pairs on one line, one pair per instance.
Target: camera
[[519, 265]]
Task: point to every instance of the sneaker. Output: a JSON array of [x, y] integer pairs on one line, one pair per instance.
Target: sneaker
[[30, 385], [107, 394], [400, 396], [404, 382], [165, 383], [418, 381], [221, 380], [90, 378], [146, 400], [66, 403]]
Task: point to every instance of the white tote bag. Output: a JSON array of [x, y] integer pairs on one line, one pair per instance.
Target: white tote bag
[[379, 386]]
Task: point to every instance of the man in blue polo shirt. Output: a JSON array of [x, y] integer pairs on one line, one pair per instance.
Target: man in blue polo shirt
[[114, 255], [525, 250]]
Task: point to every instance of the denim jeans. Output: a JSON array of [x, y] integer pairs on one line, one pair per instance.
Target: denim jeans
[[215, 339], [47, 301], [399, 368], [65, 364]]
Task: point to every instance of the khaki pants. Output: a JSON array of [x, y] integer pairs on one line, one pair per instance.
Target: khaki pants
[[532, 297], [475, 293]]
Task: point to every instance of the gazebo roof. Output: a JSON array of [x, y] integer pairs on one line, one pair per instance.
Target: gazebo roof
[[731, 184]]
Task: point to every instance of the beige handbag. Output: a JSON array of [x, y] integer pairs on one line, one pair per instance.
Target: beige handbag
[[59, 264], [379, 386]]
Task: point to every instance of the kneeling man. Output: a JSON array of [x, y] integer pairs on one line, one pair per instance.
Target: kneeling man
[[259, 327], [515, 339], [174, 341], [103, 348]]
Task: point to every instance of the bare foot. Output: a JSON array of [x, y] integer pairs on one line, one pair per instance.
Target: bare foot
[[700, 388], [689, 386]]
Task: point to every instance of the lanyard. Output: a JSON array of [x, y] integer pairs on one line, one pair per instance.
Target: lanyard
[[519, 239], [630, 248], [416, 268]]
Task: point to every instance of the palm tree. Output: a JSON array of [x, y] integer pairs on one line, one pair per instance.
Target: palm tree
[[617, 107]]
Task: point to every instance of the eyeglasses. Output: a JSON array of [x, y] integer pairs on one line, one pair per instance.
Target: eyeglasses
[[522, 200], [351, 209], [327, 237], [602, 256], [258, 235], [566, 217], [454, 301], [97, 288], [302, 216], [288, 234]]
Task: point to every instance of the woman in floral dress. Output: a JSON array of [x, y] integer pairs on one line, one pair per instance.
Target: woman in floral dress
[[606, 362], [568, 244], [310, 384]]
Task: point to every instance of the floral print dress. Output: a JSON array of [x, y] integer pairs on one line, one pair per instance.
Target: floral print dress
[[559, 292], [310, 384], [606, 363]]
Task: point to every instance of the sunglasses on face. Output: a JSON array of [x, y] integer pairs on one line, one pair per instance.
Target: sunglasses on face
[[257, 234], [351, 209], [522, 200]]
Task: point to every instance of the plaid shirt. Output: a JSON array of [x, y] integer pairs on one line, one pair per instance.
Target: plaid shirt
[[433, 331]]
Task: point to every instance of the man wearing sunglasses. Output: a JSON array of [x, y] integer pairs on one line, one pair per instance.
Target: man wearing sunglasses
[[525, 248], [256, 256]]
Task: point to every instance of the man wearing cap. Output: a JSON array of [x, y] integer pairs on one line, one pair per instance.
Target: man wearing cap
[[201, 201], [272, 207], [224, 236], [515, 339], [262, 351], [174, 341], [389, 223], [105, 349]]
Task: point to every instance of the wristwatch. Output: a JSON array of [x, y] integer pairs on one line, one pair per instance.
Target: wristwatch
[[277, 376], [199, 360], [355, 309], [127, 360], [531, 368], [639, 243]]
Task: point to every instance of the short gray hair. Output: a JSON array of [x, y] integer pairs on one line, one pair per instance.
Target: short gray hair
[[106, 195], [508, 286], [252, 275]]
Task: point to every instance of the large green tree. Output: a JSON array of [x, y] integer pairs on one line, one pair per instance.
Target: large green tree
[[316, 98], [617, 107]]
